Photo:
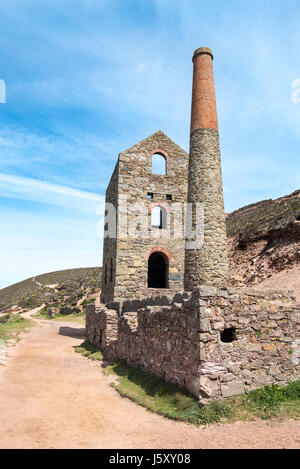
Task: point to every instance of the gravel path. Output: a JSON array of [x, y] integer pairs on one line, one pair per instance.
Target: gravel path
[[52, 397]]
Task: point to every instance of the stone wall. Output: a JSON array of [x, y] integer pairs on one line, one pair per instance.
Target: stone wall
[[207, 264], [110, 242], [182, 341], [266, 340]]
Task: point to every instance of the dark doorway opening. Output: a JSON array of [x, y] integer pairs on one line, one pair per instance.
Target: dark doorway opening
[[157, 271]]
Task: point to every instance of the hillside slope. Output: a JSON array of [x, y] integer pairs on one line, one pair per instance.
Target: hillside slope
[[264, 240], [60, 287]]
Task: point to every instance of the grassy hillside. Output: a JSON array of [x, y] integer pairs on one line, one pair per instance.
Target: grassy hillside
[[264, 216], [63, 286]]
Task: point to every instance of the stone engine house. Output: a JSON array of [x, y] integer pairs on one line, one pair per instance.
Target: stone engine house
[[165, 304], [146, 254]]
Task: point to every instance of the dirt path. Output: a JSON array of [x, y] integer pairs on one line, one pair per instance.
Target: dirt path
[[52, 397], [31, 312]]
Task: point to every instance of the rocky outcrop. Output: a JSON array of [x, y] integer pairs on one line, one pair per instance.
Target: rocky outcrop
[[264, 239]]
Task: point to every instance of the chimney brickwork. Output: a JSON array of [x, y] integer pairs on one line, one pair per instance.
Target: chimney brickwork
[[208, 264]]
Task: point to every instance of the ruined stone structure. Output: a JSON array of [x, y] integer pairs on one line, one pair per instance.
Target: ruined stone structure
[[135, 247], [216, 343], [166, 306]]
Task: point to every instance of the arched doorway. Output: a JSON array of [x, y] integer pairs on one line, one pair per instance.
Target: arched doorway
[[157, 270]]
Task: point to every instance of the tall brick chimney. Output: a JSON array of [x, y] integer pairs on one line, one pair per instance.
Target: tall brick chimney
[[206, 264]]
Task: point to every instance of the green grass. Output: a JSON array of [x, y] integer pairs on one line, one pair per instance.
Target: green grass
[[88, 301], [89, 350], [11, 330], [63, 318], [163, 398], [70, 318], [43, 314], [273, 401], [176, 403]]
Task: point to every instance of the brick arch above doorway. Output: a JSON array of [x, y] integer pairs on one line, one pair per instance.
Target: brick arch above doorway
[[159, 249]]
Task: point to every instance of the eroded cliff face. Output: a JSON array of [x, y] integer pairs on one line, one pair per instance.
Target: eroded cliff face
[[264, 239]]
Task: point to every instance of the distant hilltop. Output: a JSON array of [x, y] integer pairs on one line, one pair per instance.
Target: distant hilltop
[[63, 286]]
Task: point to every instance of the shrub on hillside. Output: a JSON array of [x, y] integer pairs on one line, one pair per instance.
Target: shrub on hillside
[[5, 318], [68, 310]]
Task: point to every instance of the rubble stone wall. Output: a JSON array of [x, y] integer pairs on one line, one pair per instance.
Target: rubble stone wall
[[110, 243], [182, 341], [266, 341]]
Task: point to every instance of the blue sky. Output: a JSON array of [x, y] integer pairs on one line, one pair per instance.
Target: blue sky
[[86, 79]]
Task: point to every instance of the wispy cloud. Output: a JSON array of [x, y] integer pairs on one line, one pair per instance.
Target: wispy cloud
[[43, 192], [48, 187], [67, 158]]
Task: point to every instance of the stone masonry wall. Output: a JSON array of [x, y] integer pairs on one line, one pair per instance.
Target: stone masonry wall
[[208, 264], [133, 246], [266, 345], [182, 341], [110, 243]]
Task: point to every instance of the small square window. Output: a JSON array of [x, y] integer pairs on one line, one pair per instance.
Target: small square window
[[150, 195], [228, 335], [169, 196]]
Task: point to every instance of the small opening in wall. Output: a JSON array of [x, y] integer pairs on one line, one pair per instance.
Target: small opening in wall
[[242, 245], [169, 196], [298, 217], [228, 335], [105, 274], [111, 270], [150, 195]]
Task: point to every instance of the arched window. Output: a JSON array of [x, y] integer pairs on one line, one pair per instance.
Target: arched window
[[159, 164], [158, 270], [105, 273], [159, 217], [111, 269]]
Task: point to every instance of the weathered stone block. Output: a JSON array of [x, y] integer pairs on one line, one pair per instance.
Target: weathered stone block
[[218, 325], [254, 347], [211, 368], [207, 291], [205, 312], [204, 325], [232, 388], [268, 347], [208, 387]]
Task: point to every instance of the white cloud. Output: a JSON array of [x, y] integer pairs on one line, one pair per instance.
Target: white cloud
[[22, 188], [80, 159], [48, 187]]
